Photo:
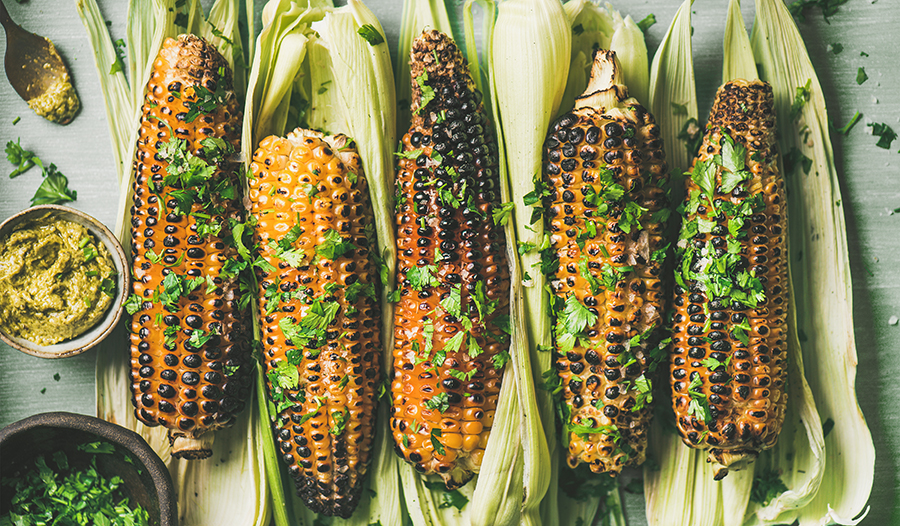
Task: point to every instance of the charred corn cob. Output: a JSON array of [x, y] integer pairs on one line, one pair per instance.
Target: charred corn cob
[[729, 346], [453, 277], [318, 309], [606, 211], [190, 363]]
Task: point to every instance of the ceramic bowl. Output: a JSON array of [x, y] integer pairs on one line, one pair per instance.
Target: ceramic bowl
[[146, 480], [101, 330]]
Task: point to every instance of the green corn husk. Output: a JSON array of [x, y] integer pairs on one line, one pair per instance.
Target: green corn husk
[[312, 68], [676, 493], [232, 489], [602, 27], [822, 285], [527, 66]]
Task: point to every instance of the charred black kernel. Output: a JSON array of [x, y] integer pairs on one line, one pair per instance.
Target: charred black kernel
[[192, 360], [168, 375], [145, 359], [165, 391]]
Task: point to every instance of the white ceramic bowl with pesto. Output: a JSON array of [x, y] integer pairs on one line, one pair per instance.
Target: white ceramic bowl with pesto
[[104, 326]]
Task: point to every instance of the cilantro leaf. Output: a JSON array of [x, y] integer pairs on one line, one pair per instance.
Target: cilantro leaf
[[54, 190], [334, 245], [704, 175], [427, 91], [884, 132], [501, 214], [19, 157], [800, 98], [370, 34]]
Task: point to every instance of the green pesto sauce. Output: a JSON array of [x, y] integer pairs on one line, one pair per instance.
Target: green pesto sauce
[[59, 103], [56, 280]]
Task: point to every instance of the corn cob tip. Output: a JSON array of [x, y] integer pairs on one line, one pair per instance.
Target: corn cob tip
[[191, 59], [605, 89], [191, 448], [438, 71]]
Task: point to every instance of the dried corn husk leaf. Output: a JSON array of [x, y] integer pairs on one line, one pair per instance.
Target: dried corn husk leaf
[[311, 54], [738, 61], [528, 65], [672, 86], [230, 488], [681, 491], [822, 285]]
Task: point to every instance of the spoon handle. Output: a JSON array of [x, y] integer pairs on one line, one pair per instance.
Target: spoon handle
[[5, 20]]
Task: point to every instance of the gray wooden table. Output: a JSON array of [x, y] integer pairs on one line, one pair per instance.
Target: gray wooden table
[[870, 179]]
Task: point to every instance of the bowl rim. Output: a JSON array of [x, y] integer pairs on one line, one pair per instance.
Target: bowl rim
[[121, 436], [109, 322]]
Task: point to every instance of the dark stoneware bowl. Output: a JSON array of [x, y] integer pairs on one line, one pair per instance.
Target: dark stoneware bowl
[[147, 481]]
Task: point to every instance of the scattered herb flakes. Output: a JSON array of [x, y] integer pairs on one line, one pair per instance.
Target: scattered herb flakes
[[766, 486], [647, 22], [44, 390], [56, 377], [427, 91], [827, 427], [370, 34], [119, 64], [861, 76], [678, 109], [884, 132], [16, 120], [836, 48], [850, 124], [801, 97], [829, 8], [449, 499], [863, 54]]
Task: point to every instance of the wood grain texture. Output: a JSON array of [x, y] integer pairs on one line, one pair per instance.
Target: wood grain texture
[[870, 184]]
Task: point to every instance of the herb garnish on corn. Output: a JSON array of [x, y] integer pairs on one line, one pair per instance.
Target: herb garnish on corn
[[451, 320], [191, 368], [606, 211]]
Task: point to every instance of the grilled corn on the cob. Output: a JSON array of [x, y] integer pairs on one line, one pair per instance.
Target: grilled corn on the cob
[[318, 310], [453, 278], [605, 204], [729, 345], [190, 360]]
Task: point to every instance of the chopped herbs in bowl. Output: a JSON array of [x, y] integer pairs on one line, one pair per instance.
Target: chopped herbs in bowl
[[66, 469]]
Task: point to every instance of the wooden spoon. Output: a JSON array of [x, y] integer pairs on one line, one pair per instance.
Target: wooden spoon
[[37, 73]]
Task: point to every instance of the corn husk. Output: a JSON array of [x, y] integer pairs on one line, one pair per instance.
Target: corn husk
[[681, 490], [596, 26], [311, 53], [527, 65], [239, 493], [822, 285]]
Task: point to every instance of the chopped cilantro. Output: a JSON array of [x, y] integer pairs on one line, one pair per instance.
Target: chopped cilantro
[[19, 157], [861, 76], [766, 486], [502, 213], [370, 34], [699, 405], [438, 447], [439, 402], [427, 91], [847, 127], [800, 98], [334, 245], [885, 134], [452, 498]]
